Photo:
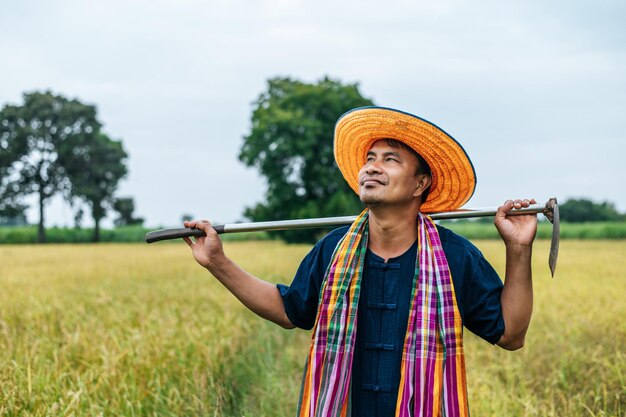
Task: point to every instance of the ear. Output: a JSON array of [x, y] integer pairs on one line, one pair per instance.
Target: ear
[[423, 182]]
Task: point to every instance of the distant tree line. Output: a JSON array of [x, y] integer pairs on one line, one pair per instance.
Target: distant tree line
[[53, 145], [582, 210]]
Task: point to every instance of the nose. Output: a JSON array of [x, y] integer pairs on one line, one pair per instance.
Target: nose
[[373, 168]]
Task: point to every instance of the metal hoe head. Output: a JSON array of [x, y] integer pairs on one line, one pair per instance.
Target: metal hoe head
[[552, 213]]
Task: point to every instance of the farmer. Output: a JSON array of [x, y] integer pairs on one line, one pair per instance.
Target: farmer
[[387, 296]]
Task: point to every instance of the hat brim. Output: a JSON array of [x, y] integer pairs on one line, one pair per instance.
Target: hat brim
[[453, 175]]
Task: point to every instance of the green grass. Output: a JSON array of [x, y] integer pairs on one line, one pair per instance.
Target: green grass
[[591, 231], [127, 329], [125, 234], [469, 229]]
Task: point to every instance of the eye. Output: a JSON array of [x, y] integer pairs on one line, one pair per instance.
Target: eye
[[391, 158]]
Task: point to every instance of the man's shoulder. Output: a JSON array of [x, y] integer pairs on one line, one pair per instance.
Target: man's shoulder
[[456, 243], [333, 237], [322, 251]]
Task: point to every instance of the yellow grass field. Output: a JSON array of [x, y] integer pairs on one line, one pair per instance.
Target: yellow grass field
[[132, 329]]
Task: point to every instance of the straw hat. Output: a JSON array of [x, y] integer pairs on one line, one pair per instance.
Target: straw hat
[[453, 175]]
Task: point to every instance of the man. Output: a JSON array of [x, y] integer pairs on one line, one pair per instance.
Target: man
[[388, 296]]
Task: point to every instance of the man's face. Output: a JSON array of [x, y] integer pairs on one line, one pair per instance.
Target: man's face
[[389, 176]]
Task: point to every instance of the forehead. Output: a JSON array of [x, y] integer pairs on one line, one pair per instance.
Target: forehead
[[383, 146]]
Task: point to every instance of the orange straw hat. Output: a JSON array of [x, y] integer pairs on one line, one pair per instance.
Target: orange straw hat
[[453, 175]]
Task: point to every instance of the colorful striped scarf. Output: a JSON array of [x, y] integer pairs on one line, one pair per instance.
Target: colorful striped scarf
[[432, 378]]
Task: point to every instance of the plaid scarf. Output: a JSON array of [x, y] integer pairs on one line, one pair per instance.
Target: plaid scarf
[[432, 378]]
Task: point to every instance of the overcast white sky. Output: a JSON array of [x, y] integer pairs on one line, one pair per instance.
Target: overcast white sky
[[535, 91]]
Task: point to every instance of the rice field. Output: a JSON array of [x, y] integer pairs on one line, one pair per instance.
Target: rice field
[[141, 330]]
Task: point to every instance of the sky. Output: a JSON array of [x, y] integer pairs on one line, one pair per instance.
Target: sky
[[534, 91]]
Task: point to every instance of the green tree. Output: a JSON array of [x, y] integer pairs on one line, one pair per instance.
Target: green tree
[[584, 210], [125, 208], [12, 210], [94, 166], [291, 143], [31, 135]]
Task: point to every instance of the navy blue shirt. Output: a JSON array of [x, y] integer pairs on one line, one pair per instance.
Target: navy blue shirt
[[384, 306]]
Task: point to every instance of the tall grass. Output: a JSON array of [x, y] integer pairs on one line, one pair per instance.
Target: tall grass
[[573, 363], [131, 330], [123, 330]]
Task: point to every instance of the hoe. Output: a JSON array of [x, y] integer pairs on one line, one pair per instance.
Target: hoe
[[550, 210]]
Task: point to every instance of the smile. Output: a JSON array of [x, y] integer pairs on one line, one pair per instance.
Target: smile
[[369, 182]]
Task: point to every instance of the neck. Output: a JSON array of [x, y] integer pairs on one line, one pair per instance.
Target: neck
[[392, 230]]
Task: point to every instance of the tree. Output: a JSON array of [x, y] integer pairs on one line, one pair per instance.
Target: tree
[[31, 135], [94, 166], [291, 143], [12, 215], [79, 213], [584, 210], [12, 210], [126, 207]]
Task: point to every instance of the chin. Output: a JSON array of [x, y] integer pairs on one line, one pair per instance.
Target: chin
[[370, 199]]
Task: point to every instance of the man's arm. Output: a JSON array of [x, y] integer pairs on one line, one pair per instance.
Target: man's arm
[[262, 297], [518, 234]]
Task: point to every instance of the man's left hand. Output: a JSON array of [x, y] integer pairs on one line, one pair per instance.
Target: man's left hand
[[519, 229]]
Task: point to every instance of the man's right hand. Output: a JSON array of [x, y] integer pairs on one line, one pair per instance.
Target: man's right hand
[[207, 250], [260, 296]]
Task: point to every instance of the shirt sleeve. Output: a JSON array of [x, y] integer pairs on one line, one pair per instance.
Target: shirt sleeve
[[302, 296], [477, 286], [483, 311]]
